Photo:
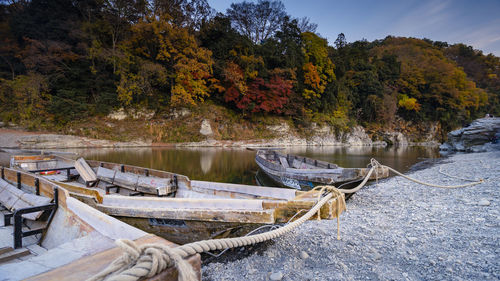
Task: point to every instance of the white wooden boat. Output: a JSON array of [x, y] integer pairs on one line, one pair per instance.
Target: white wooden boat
[[171, 205]]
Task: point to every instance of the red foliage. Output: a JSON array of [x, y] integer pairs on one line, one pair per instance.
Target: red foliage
[[262, 95]]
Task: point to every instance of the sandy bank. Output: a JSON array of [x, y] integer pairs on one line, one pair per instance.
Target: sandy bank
[[28, 140], [397, 230]]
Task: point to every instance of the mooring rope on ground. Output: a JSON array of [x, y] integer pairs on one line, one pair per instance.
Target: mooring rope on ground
[[150, 259]]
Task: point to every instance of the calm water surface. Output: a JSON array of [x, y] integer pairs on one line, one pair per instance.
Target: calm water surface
[[238, 165]]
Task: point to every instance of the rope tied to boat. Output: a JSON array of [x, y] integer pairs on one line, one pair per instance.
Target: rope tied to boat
[[150, 259]]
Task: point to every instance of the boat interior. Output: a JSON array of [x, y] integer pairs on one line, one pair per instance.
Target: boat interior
[[293, 161], [45, 234]]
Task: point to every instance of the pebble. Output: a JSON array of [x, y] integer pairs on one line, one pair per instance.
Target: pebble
[[276, 276], [304, 255], [483, 202], [412, 239]]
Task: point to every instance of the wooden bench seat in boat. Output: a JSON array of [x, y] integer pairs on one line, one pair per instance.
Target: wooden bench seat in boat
[[14, 199], [87, 175], [135, 182]]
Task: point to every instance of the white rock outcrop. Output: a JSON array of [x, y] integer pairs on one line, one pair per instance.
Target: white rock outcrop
[[478, 136], [206, 129], [45, 141]]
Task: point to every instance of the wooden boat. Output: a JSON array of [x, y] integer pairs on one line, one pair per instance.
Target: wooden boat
[[304, 173], [171, 205], [52, 236]]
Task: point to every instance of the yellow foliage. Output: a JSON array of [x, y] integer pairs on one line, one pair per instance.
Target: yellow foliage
[[318, 68], [174, 53], [408, 103]]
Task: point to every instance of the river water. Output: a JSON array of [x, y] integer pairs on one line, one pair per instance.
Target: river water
[[238, 165]]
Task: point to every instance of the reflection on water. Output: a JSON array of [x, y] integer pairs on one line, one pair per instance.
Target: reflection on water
[[238, 165]]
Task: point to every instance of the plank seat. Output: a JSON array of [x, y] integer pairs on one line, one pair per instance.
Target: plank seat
[[11, 254], [134, 182], [14, 199], [284, 162], [86, 173]]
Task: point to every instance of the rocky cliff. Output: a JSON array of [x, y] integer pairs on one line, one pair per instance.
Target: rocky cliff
[[481, 135]]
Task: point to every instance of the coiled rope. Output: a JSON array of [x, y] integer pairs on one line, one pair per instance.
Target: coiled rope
[[150, 259]]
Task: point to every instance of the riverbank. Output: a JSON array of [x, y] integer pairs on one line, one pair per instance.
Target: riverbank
[[10, 138], [397, 230]]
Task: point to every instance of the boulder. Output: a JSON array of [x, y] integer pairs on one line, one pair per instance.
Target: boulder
[[475, 137], [119, 114], [357, 137], [206, 129], [395, 138], [179, 112]]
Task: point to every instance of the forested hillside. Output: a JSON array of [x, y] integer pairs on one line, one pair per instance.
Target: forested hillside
[[66, 61]]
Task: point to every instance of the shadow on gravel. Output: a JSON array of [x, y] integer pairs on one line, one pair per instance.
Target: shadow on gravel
[[428, 163], [237, 253], [234, 254]]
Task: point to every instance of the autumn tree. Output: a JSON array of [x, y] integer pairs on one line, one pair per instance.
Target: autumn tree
[[433, 88], [163, 65], [318, 69]]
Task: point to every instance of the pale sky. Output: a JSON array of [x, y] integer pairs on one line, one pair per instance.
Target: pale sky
[[473, 22]]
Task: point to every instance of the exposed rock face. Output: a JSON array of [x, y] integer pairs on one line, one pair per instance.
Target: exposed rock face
[[284, 137], [206, 129], [46, 141], [395, 138], [475, 137], [357, 137], [121, 114], [179, 112], [281, 128]]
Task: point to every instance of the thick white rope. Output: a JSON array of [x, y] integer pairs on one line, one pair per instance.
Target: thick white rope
[[429, 184]]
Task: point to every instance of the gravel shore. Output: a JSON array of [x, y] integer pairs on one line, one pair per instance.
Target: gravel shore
[[397, 230]]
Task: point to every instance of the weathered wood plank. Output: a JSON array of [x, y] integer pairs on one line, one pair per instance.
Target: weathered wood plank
[[241, 216], [82, 190], [9, 196], [86, 173], [4, 250], [182, 203], [106, 174], [17, 253], [155, 185], [126, 180]]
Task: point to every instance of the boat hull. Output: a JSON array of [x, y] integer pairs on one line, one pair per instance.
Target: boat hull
[[184, 231], [306, 179]]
